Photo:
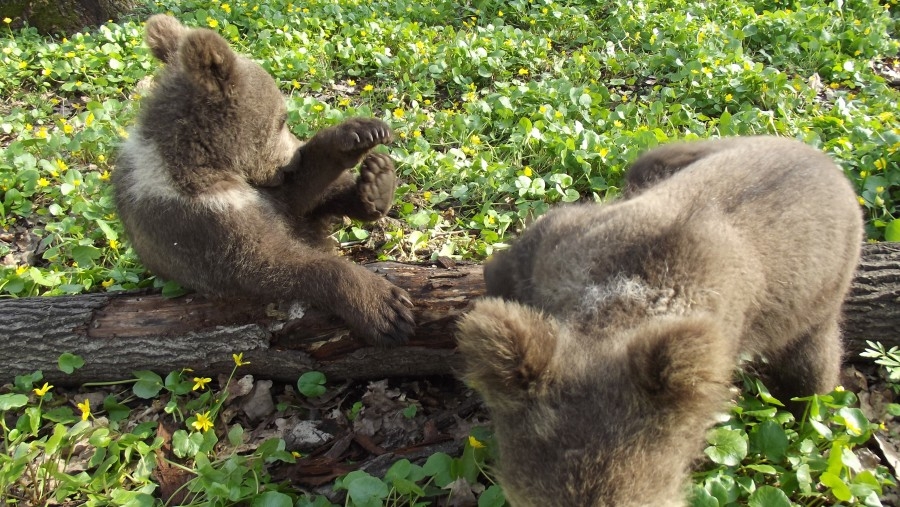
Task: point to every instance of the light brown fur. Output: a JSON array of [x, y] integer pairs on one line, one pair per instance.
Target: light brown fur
[[217, 194], [612, 331]]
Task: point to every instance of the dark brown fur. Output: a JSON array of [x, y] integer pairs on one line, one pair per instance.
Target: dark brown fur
[[218, 195], [613, 330]]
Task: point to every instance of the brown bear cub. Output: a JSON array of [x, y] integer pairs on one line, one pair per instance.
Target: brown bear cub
[[217, 194], [610, 340]]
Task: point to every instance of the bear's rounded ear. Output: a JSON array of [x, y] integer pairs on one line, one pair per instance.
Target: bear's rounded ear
[[162, 34], [685, 360], [507, 349], [209, 61]]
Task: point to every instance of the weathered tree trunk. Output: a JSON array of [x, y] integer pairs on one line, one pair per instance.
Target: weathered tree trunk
[[117, 334], [63, 16]]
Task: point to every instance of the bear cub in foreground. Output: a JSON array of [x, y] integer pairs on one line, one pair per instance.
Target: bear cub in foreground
[[613, 331], [217, 194]]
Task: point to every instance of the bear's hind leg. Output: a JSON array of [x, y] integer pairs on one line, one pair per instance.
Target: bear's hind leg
[[810, 365]]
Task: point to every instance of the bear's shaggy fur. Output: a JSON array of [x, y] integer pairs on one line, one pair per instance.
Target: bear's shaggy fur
[[612, 332], [217, 194]]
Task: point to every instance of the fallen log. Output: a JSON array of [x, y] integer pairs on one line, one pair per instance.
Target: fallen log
[[118, 333]]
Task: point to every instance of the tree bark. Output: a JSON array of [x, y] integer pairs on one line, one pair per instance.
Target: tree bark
[[117, 334], [63, 16]]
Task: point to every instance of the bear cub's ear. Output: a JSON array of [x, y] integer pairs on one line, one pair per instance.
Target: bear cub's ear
[[507, 348], [209, 61], [163, 34], [684, 359]]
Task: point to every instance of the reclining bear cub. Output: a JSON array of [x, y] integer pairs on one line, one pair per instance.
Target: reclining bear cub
[[217, 194], [612, 332]]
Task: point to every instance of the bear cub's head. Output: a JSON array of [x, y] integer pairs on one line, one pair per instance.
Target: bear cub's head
[[215, 117]]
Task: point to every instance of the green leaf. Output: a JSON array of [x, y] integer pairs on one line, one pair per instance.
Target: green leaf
[[492, 497], [768, 496], [438, 465], [186, 444], [768, 438], [148, 385], [236, 435], [836, 485], [85, 255], [311, 384], [702, 498], [68, 363], [728, 447], [272, 499], [11, 401], [365, 490], [892, 230]]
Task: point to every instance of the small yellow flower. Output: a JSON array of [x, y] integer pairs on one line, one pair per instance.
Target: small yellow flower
[[417, 133], [114, 244], [863, 174], [7, 20], [239, 359], [862, 202], [21, 270], [603, 152], [880, 164], [839, 389], [523, 72], [474, 443], [42, 133], [41, 391], [527, 171], [368, 88], [104, 176], [89, 120], [351, 82], [212, 22], [318, 107], [85, 408], [728, 97], [426, 195], [108, 283], [46, 72], [200, 382], [398, 113], [61, 164], [68, 129], [474, 139], [296, 454], [203, 422], [43, 182], [23, 64], [226, 8]]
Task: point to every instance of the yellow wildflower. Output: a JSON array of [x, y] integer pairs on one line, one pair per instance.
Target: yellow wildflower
[[21, 269], [527, 171], [200, 382], [43, 182], [212, 22], [7, 20], [203, 422], [368, 88], [41, 391], [426, 195], [108, 283], [85, 408], [523, 72], [226, 8], [474, 443], [398, 113], [351, 82], [68, 129], [239, 359], [104, 176]]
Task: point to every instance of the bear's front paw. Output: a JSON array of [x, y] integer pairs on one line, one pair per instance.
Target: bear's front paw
[[388, 319], [359, 135], [376, 185]]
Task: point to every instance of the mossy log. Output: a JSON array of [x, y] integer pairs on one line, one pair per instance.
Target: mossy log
[[120, 333], [63, 16]]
